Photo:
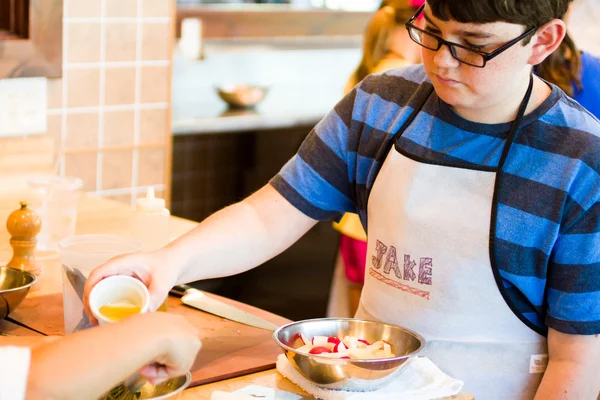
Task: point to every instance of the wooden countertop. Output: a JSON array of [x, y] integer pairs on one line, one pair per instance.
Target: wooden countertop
[[96, 215]]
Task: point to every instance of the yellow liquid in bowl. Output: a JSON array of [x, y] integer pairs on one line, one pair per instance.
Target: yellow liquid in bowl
[[119, 311]]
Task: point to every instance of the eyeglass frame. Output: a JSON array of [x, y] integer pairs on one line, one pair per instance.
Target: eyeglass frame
[[441, 42]]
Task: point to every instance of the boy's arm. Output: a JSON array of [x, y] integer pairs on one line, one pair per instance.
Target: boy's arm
[[574, 368], [240, 237]]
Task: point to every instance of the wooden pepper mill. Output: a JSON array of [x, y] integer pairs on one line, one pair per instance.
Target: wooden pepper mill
[[24, 225]]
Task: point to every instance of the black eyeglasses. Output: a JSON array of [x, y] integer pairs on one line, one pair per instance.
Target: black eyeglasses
[[464, 54]]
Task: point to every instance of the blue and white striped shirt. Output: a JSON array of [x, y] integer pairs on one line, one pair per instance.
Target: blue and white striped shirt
[[547, 242]]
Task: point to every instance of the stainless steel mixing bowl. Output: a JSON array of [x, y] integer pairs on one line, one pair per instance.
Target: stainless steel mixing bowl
[[14, 286], [241, 96], [349, 374]]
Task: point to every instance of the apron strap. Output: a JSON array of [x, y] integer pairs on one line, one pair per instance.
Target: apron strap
[[515, 125], [494, 222], [411, 118]]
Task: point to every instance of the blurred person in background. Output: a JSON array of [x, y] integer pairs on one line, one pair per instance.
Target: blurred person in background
[[576, 72], [583, 25], [386, 45]]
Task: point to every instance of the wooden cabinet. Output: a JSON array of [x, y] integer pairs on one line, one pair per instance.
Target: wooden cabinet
[[31, 38]]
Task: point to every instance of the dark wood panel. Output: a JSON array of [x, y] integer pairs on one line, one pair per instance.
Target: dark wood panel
[[211, 171], [34, 48], [220, 23]]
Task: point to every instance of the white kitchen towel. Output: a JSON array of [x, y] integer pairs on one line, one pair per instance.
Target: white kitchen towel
[[421, 379]]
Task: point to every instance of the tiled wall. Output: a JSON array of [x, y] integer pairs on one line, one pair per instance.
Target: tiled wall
[[109, 114]]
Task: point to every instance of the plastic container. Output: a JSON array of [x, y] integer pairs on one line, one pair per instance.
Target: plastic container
[[150, 221], [55, 201], [150, 225], [79, 256]]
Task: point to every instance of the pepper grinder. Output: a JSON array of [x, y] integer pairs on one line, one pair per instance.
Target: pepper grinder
[[24, 225]]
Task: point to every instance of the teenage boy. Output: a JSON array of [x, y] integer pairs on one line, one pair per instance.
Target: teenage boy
[[479, 187]]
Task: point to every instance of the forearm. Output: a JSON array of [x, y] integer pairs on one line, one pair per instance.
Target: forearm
[[239, 237], [573, 371], [566, 380], [83, 372]]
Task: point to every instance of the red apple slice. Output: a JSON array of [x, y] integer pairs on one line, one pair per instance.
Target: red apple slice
[[363, 343], [304, 339], [319, 350], [340, 347], [333, 340]]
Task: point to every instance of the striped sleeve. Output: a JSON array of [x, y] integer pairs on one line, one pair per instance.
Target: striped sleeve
[[574, 277], [316, 180]]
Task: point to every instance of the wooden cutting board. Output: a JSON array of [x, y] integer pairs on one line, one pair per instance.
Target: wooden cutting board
[[229, 349]]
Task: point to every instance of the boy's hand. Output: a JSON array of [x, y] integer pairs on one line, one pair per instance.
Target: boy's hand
[[152, 268]]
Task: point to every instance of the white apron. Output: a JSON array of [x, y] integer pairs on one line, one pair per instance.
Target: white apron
[[428, 269]]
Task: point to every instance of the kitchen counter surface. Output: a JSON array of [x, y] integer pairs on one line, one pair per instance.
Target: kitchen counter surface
[[202, 111], [297, 94]]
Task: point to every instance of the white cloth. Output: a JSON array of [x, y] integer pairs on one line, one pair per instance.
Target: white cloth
[[429, 270], [419, 380], [14, 370]]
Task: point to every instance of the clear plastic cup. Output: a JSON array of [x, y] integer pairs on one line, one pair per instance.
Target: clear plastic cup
[[55, 201], [79, 256]]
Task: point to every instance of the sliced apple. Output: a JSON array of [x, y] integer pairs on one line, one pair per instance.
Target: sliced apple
[[305, 349], [333, 340], [319, 350], [304, 339], [387, 349], [340, 347], [361, 354], [351, 342], [297, 341], [363, 343], [319, 340]]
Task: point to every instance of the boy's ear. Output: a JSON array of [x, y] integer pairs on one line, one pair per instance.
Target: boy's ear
[[547, 39]]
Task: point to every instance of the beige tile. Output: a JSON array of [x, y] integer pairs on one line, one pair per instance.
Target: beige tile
[[155, 84], [151, 169], [83, 42], [83, 8], [121, 8], [120, 41], [84, 166], [55, 129], [157, 8], [156, 42], [120, 86], [82, 131], [116, 169], [122, 198], [118, 128], [83, 87], [55, 93], [153, 126]]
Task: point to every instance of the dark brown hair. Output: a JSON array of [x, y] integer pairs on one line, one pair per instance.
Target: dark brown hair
[[523, 12], [561, 68]]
